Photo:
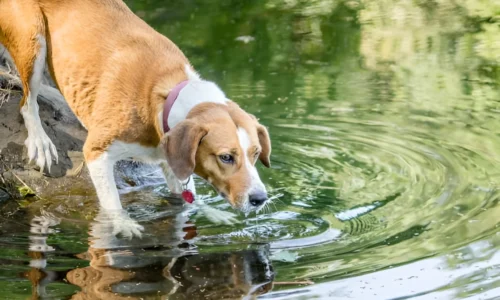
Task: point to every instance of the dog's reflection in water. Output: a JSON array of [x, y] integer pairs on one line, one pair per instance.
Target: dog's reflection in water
[[135, 269], [41, 227]]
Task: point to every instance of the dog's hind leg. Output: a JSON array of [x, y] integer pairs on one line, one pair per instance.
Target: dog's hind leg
[[27, 45], [38, 143]]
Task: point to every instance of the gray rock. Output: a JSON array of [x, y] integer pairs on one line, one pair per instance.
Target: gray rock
[[4, 196]]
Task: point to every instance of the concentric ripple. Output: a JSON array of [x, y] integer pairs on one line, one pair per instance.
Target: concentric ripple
[[383, 193]]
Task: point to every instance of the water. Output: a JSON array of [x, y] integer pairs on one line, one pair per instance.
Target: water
[[384, 117]]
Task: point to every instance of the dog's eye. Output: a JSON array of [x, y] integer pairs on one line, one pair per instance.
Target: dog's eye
[[226, 158]]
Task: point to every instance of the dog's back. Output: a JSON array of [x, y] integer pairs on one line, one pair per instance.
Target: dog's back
[[99, 53]]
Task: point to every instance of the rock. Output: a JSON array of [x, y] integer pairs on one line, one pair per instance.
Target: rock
[[4, 196], [58, 121], [68, 136]]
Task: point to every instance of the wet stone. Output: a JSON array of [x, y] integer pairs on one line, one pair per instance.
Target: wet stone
[[4, 196]]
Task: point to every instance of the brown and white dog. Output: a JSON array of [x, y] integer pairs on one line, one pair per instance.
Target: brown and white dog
[[116, 73]]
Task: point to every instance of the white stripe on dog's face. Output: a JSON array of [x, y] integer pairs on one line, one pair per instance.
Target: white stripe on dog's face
[[244, 139], [255, 185]]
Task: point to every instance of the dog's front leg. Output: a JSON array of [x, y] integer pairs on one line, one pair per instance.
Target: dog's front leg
[[175, 185], [101, 172], [213, 214]]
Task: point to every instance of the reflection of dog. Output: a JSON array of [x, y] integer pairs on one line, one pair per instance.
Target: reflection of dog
[[40, 228], [121, 270], [224, 275], [205, 276], [158, 266], [137, 95]]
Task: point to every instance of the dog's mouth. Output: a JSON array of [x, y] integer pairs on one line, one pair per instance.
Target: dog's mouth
[[225, 196], [243, 207], [242, 204]]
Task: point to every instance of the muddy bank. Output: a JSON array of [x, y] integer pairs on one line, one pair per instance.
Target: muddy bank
[[63, 128]]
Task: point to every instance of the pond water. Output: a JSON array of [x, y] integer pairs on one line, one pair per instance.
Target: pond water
[[385, 123]]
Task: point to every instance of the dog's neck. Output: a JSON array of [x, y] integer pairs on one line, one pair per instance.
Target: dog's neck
[[186, 95]]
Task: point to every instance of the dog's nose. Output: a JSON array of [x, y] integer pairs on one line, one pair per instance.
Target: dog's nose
[[257, 199]]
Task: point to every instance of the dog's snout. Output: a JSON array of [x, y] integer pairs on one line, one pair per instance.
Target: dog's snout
[[257, 199]]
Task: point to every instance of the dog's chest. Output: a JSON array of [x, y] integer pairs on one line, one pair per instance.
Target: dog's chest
[[132, 151]]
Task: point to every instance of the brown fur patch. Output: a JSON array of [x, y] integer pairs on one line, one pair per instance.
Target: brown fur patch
[[21, 37], [181, 145]]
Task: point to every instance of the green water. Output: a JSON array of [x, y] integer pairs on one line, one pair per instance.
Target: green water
[[384, 118]]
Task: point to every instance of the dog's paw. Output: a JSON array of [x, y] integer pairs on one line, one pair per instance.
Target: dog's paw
[[41, 149], [126, 227], [110, 224], [218, 216]]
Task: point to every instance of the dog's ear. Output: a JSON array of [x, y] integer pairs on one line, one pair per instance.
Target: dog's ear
[[265, 143], [180, 146]]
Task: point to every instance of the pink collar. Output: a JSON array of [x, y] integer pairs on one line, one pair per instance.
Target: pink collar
[[172, 96]]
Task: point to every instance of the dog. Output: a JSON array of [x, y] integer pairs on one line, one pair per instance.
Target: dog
[[138, 97]]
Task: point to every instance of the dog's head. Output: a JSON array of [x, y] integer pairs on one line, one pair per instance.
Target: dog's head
[[221, 143]]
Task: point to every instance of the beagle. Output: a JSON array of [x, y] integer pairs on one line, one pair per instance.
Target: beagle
[[138, 97]]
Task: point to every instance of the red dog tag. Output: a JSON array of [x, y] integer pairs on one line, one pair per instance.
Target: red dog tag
[[188, 196]]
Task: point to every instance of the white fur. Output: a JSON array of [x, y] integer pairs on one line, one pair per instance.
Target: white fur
[[191, 74], [109, 223], [197, 91], [215, 215], [101, 172], [255, 182], [126, 226], [81, 123], [101, 169], [38, 143], [127, 151], [159, 117], [175, 185]]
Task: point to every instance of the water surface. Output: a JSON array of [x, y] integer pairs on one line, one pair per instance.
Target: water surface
[[384, 118]]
